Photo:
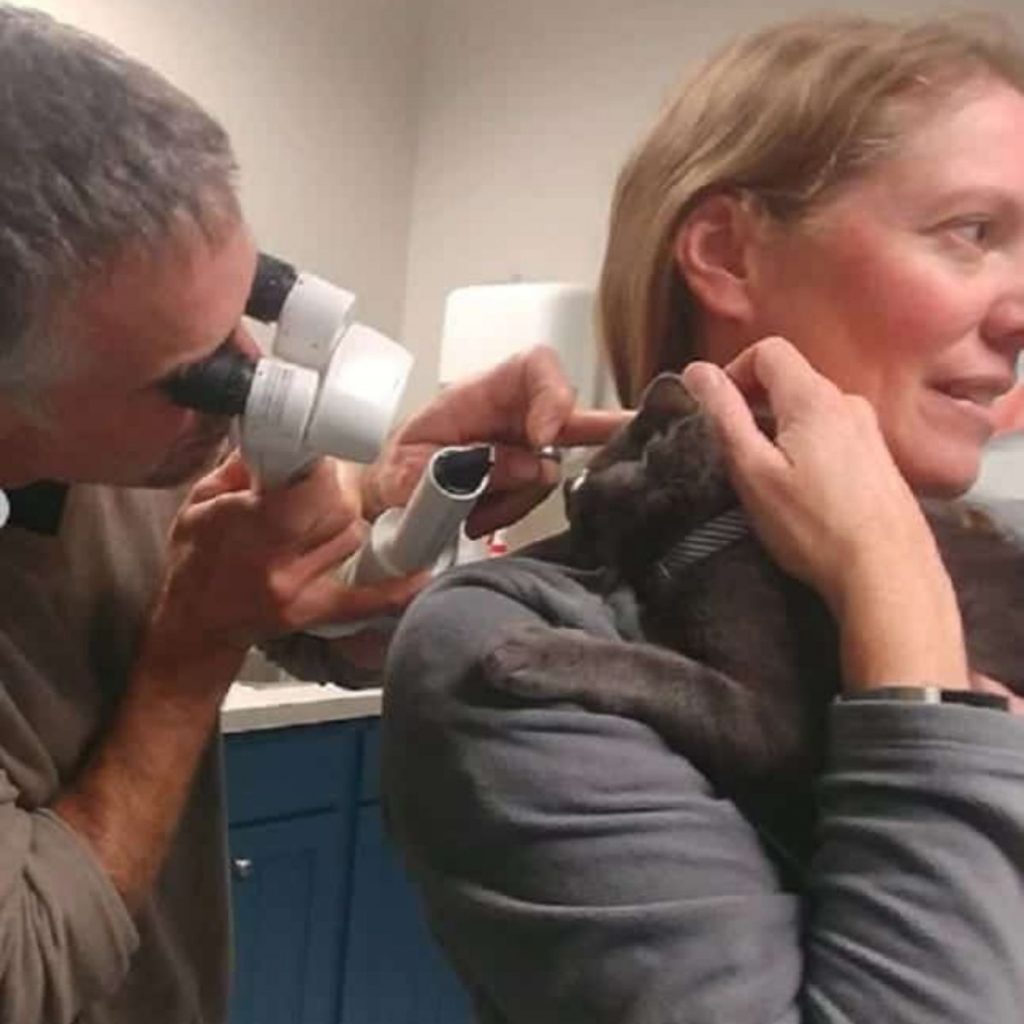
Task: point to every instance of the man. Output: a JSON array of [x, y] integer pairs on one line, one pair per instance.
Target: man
[[123, 257]]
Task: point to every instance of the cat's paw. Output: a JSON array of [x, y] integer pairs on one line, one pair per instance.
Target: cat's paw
[[536, 662]]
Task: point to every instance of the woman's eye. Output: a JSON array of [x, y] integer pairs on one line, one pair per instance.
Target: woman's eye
[[976, 232]]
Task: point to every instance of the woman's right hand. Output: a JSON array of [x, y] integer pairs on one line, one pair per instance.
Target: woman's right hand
[[829, 503]]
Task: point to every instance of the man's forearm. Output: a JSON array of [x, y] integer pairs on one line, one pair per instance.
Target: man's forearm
[[127, 800]]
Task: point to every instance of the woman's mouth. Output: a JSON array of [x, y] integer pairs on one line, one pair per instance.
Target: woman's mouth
[[973, 398]]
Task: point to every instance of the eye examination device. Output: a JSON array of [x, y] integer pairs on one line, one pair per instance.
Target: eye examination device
[[330, 387]]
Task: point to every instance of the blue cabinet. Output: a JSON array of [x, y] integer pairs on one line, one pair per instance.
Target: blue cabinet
[[327, 928], [394, 971], [286, 928]]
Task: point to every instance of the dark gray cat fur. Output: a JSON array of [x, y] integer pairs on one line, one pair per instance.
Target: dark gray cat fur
[[741, 661]]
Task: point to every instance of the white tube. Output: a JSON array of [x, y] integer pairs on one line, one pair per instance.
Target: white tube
[[424, 534], [406, 540]]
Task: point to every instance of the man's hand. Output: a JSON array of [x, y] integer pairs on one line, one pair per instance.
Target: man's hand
[[243, 565], [520, 406], [246, 565]]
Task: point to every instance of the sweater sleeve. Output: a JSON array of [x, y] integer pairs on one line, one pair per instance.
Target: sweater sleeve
[[577, 870], [66, 937]]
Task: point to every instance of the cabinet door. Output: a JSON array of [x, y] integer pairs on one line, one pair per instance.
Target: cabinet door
[[286, 889], [394, 971]]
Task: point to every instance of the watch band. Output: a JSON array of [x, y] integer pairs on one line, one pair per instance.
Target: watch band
[[931, 695]]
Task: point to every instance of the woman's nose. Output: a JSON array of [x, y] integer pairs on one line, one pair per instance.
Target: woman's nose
[[1003, 326]]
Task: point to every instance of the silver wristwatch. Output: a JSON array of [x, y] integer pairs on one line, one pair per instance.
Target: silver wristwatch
[[931, 695]]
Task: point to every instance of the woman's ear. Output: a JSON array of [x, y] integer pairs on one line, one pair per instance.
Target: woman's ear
[[713, 252]]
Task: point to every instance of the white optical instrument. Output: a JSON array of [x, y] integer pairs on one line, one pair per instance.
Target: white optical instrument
[[330, 386]]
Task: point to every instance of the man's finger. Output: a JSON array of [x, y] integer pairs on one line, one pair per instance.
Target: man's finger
[[546, 395], [525, 398], [495, 511], [586, 427], [231, 475], [332, 551], [326, 600], [312, 509], [516, 467]]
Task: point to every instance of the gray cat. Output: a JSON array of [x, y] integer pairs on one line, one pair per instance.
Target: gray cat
[[742, 660]]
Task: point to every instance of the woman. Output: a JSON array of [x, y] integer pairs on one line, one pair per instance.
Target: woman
[[857, 188]]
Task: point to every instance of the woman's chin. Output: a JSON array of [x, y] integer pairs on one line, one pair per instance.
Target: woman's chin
[[940, 469], [947, 481]]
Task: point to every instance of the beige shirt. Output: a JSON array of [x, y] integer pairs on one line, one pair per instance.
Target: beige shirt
[[70, 610]]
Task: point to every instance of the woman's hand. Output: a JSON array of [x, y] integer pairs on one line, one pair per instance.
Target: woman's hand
[[829, 503]]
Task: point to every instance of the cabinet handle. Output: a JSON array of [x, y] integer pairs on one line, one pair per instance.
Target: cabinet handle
[[242, 868]]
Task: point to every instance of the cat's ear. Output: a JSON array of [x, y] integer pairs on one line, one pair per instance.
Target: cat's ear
[[664, 401]]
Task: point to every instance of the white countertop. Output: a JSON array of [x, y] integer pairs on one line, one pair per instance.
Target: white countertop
[[272, 705]]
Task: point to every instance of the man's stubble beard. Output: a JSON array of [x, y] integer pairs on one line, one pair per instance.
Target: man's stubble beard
[[192, 455]]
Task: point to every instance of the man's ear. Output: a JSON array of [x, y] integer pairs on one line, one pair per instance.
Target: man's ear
[[713, 251]]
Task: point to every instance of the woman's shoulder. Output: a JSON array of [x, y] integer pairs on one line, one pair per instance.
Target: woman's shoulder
[[444, 702], [464, 614]]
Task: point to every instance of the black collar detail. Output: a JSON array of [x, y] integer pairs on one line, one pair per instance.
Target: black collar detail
[[38, 507]]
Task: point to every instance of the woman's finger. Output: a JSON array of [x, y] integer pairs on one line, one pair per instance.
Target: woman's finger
[[776, 370], [743, 442]]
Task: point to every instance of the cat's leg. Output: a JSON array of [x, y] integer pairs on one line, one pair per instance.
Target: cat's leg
[[732, 731]]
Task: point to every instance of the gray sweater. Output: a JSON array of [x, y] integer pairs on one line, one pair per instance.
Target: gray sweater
[[580, 872], [70, 609]]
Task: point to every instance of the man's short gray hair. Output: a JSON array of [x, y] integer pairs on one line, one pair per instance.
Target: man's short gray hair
[[97, 152]]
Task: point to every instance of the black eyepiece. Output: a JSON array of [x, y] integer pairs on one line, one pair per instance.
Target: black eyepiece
[[274, 280], [219, 385]]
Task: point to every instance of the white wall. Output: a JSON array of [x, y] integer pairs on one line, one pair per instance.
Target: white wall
[[319, 98]]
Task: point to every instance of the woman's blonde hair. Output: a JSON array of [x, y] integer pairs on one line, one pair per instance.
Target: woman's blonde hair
[[785, 115]]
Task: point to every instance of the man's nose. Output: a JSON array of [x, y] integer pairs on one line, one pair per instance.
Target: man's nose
[[244, 342]]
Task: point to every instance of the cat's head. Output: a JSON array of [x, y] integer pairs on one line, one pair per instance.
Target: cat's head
[[655, 481]]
